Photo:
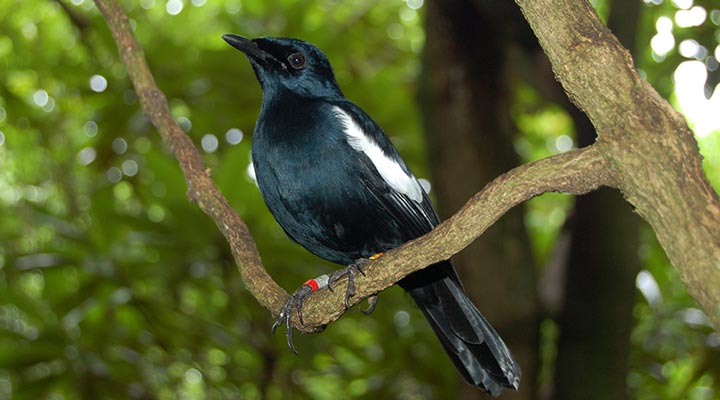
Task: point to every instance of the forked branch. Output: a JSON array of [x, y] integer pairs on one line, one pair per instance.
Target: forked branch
[[574, 172]]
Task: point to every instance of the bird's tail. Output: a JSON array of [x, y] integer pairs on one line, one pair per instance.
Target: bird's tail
[[474, 347]]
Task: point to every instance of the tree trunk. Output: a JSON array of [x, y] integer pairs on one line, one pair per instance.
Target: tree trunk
[[599, 286], [653, 156], [596, 320], [465, 106]]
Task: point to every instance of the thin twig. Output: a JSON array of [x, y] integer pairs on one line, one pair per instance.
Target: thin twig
[[201, 188]]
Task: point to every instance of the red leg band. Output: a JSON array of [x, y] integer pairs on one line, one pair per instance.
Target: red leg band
[[313, 285]]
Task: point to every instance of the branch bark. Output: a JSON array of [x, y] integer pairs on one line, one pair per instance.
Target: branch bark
[[652, 154], [575, 172]]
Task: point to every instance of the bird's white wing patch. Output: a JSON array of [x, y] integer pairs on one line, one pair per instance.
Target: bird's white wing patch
[[388, 168]]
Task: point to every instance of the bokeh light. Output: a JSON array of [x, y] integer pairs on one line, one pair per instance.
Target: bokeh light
[[98, 83], [233, 136], [209, 143]]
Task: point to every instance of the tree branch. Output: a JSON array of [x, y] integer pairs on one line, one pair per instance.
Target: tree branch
[[574, 172], [653, 156], [201, 188]]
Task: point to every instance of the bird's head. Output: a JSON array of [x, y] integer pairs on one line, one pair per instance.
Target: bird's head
[[291, 64]]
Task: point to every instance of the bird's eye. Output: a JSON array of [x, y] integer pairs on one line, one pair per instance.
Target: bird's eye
[[296, 60]]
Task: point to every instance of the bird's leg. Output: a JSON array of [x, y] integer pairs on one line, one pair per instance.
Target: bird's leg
[[295, 302], [350, 271]]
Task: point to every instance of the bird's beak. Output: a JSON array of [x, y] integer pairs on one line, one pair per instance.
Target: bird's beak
[[250, 48]]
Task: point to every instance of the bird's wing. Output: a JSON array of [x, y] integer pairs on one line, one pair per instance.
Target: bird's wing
[[384, 173]]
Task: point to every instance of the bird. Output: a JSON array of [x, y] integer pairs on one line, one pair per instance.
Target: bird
[[337, 186]]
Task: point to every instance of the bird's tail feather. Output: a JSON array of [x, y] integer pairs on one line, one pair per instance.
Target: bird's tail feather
[[473, 345]]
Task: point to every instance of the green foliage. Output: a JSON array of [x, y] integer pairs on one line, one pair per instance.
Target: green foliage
[[112, 285], [546, 129], [676, 353]]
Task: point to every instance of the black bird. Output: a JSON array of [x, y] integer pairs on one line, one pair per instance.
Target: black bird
[[337, 186]]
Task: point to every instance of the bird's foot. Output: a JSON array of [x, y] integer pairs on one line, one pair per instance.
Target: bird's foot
[[296, 300], [295, 303], [350, 271]]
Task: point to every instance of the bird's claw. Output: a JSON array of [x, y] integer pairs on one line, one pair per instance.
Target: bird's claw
[[350, 271], [372, 302], [294, 302]]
